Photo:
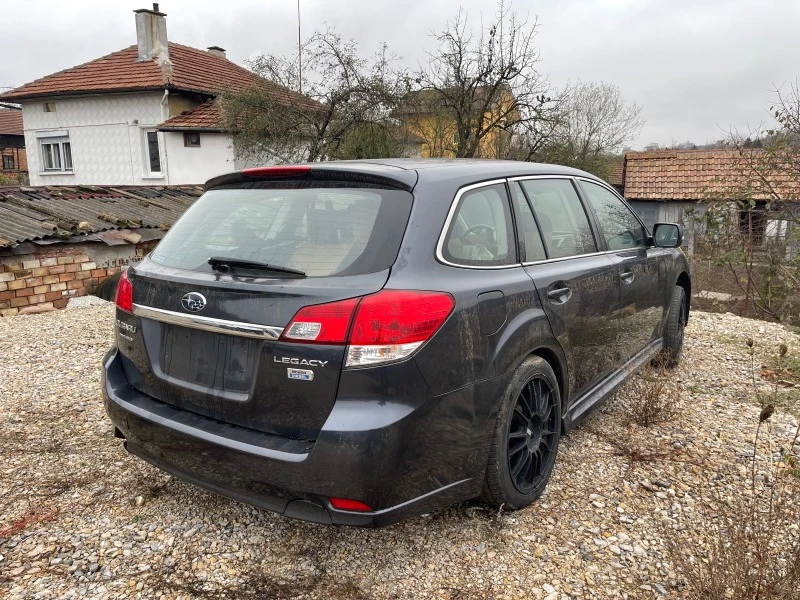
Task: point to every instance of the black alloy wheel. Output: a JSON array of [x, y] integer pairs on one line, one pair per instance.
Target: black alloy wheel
[[526, 435], [674, 329], [533, 436]]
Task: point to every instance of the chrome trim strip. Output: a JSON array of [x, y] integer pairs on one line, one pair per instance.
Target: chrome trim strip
[[440, 244], [560, 258], [250, 330]]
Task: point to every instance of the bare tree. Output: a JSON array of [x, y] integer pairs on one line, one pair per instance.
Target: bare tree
[[478, 90], [344, 98], [594, 123], [772, 167], [753, 218]]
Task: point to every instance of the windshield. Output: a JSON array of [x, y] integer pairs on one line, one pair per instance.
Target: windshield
[[321, 231]]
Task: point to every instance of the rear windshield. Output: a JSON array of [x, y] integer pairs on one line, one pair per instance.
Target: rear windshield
[[321, 230]]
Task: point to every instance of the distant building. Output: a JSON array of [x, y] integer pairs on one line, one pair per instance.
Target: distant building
[[431, 127], [144, 115], [675, 185], [13, 161]]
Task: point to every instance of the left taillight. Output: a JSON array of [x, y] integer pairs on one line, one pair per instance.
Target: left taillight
[[124, 296]]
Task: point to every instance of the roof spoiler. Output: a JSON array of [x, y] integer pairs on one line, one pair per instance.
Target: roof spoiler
[[368, 174]]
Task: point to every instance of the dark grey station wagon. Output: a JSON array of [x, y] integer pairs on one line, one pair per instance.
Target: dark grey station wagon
[[359, 342]]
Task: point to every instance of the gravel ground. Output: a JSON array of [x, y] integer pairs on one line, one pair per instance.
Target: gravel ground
[[81, 519]]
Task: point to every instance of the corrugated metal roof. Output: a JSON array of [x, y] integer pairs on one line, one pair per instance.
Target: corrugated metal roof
[[50, 213]]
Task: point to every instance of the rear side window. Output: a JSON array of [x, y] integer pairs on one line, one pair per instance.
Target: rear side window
[[480, 232], [321, 231], [531, 246], [562, 219], [619, 226]]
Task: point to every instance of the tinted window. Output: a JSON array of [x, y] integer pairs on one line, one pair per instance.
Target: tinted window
[[530, 241], [563, 221], [480, 232], [619, 226], [319, 230]]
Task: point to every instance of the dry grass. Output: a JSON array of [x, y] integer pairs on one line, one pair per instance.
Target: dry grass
[[750, 546], [653, 396]]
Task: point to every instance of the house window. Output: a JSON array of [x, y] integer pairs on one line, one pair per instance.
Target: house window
[[191, 139], [49, 107], [8, 163], [753, 224], [56, 153], [152, 153]]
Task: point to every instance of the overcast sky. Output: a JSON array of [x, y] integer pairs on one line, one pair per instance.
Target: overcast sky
[[697, 67]]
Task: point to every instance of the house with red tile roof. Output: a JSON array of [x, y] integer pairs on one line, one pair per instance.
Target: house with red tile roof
[[676, 185], [13, 161], [144, 115]]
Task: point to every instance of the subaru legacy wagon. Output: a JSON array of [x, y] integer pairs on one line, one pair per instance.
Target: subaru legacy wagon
[[358, 342]]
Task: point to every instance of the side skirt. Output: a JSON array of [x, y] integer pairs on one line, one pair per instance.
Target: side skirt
[[584, 405]]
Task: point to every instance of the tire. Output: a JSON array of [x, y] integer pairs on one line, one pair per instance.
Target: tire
[[528, 427], [674, 329]]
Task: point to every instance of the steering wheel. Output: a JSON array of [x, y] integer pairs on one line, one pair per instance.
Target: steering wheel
[[476, 229]]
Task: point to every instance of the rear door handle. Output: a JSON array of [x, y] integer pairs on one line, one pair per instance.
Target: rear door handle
[[627, 276], [559, 295]]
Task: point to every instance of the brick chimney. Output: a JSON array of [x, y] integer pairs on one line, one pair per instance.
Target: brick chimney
[[217, 51], [151, 34]]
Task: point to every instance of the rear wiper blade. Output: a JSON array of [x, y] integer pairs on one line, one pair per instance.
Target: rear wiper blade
[[223, 265]]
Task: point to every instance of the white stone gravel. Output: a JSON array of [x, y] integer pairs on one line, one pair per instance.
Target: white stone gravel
[[81, 519], [83, 301]]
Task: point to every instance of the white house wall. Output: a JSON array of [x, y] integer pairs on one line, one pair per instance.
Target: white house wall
[[106, 134], [189, 165]]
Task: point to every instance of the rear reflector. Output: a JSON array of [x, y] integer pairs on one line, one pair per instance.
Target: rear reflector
[[379, 328], [124, 296], [280, 171], [351, 505]]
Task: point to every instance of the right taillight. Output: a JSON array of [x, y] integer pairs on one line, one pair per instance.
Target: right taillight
[[124, 296], [391, 324], [378, 328], [321, 323]]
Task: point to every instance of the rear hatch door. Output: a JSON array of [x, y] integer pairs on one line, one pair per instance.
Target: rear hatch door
[[207, 338]]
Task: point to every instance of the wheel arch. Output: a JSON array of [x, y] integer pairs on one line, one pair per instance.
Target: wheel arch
[[555, 362]]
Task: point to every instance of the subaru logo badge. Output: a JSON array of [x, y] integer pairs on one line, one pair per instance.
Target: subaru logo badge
[[193, 301]]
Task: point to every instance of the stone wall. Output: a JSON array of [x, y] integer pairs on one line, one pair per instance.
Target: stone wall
[[46, 280]]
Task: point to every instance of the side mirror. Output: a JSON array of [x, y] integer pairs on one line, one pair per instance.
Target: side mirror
[[667, 235]]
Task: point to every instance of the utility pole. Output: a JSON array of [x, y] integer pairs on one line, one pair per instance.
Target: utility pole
[[299, 52]]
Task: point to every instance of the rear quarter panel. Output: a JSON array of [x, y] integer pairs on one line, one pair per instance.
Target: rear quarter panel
[[461, 354]]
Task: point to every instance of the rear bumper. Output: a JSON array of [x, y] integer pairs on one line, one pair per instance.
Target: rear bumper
[[402, 460]]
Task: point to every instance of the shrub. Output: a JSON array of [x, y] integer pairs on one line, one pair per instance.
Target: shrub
[[652, 397]]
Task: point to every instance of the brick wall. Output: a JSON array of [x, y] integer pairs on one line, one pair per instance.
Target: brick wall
[[51, 277]]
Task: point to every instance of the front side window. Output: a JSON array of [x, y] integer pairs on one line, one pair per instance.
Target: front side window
[[619, 226], [562, 219], [480, 232], [152, 153], [56, 153]]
